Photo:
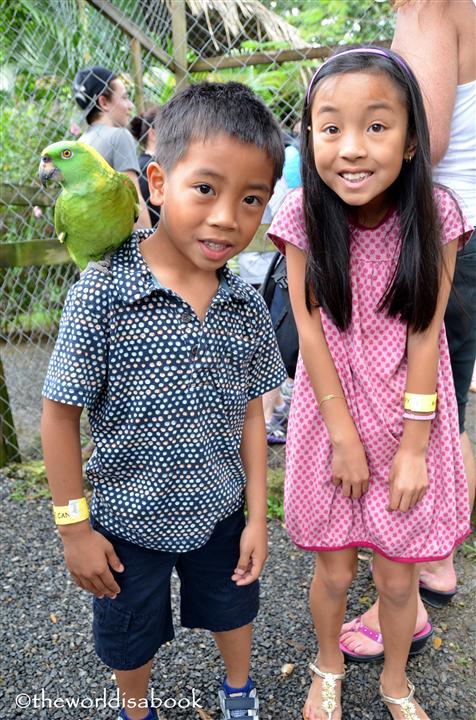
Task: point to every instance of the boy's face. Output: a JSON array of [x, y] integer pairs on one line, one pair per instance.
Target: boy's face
[[212, 201]]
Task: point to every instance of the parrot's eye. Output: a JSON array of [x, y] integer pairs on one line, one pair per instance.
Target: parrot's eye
[[66, 154]]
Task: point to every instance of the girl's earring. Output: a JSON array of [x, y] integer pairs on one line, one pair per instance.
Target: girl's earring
[[309, 128], [409, 158]]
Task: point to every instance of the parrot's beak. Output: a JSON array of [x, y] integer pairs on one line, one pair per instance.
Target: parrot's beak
[[48, 171]]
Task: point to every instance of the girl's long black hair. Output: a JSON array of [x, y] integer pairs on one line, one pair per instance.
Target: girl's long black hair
[[412, 293]]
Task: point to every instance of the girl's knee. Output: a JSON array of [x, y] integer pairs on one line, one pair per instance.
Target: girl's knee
[[337, 578]]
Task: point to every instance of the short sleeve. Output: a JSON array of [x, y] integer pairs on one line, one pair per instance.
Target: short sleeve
[[453, 223], [77, 371], [288, 224], [266, 370], [124, 152]]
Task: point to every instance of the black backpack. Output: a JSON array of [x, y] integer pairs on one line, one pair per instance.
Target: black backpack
[[276, 296]]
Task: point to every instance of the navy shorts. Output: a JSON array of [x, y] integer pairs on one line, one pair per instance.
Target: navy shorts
[[129, 630], [460, 323]]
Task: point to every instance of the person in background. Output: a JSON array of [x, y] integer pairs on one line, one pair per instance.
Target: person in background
[[438, 40], [275, 291], [103, 98], [143, 130]]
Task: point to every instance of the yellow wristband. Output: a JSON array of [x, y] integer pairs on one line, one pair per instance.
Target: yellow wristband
[[329, 397], [419, 403], [75, 511]]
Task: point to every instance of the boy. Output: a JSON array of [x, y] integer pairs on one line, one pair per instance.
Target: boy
[[171, 353]]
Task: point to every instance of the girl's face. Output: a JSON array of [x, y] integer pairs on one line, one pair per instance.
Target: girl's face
[[118, 107], [359, 133]]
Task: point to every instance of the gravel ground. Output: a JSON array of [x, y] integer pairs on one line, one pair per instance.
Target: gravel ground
[[46, 639]]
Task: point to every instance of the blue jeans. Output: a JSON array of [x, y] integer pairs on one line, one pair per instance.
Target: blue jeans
[[460, 322]]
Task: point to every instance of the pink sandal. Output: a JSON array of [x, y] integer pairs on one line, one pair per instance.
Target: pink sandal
[[418, 642]]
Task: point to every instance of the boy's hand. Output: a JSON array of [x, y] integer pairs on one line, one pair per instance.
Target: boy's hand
[[408, 480], [89, 557], [349, 468], [253, 552]]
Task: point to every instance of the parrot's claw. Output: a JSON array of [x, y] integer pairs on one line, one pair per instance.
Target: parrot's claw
[[100, 266], [103, 266]]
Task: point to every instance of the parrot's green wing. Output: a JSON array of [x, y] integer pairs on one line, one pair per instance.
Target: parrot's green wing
[[60, 226]]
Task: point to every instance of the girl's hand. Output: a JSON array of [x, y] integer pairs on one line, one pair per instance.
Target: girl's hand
[[408, 480], [349, 468]]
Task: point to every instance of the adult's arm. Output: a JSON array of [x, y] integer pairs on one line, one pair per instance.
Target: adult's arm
[[426, 36]]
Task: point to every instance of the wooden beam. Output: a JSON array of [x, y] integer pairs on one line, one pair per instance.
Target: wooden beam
[[265, 58], [132, 30], [137, 73], [33, 252], [179, 40], [17, 194]]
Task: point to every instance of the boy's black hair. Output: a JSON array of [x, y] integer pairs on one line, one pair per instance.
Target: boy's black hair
[[205, 110], [412, 292]]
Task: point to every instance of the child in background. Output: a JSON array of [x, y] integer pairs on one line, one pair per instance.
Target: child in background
[[371, 459], [142, 128], [171, 353]]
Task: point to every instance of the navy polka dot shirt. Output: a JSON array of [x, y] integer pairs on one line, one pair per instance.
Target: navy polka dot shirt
[[166, 397]]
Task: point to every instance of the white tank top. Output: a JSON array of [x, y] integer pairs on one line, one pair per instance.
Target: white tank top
[[457, 170]]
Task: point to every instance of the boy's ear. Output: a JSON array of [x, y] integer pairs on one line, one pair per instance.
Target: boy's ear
[[156, 178]]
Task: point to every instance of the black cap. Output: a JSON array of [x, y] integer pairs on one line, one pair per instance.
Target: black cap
[[89, 84]]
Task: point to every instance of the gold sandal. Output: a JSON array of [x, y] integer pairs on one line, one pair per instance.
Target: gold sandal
[[408, 708], [329, 700]]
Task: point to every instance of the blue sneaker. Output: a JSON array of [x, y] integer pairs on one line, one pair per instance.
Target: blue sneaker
[[151, 716], [238, 704]]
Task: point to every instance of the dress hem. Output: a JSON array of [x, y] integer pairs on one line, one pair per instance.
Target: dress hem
[[371, 546]]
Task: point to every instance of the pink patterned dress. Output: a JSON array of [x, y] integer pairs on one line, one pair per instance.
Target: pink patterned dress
[[370, 359]]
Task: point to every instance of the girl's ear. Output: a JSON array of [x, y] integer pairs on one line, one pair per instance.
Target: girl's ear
[[410, 150], [156, 177]]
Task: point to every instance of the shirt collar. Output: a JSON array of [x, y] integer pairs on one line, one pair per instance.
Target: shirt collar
[[134, 281]]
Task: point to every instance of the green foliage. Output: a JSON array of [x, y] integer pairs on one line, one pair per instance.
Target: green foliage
[[29, 481], [275, 494], [469, 549], [333, 22]]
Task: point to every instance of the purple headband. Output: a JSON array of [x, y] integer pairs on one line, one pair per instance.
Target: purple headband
[[352, 51]]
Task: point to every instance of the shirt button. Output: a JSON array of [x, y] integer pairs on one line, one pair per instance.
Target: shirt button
[[186, 317], [195, 350]]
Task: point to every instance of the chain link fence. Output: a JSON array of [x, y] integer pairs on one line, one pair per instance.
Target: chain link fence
[[156, 46]]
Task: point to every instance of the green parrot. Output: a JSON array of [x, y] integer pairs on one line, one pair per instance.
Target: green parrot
[[97, 207]]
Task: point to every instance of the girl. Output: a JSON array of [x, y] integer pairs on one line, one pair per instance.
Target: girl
[[371, 249], [142, 129]]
